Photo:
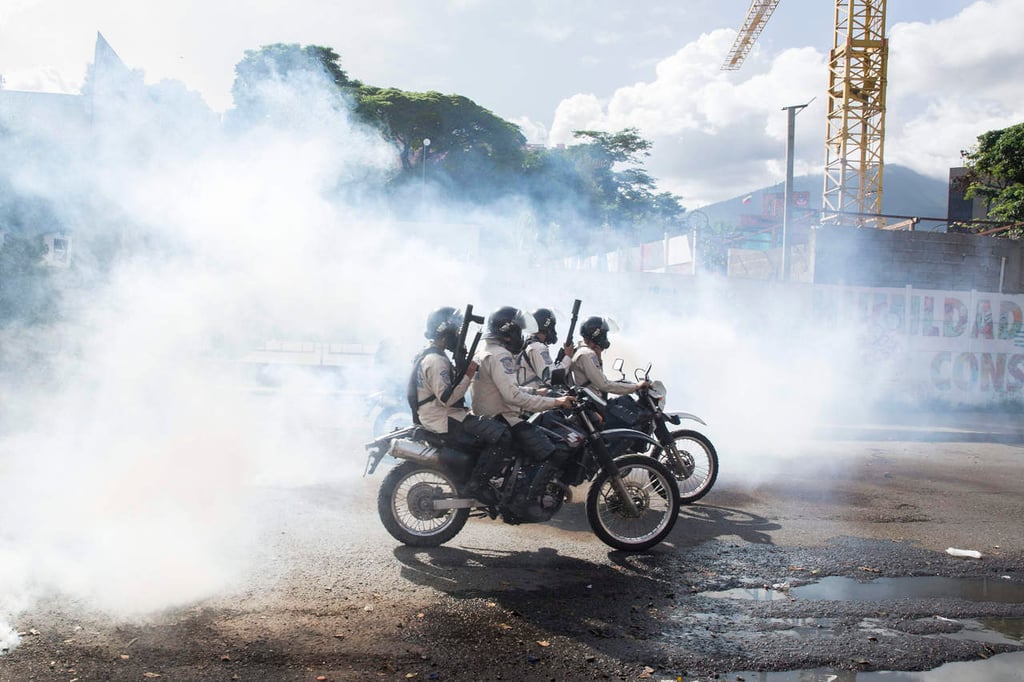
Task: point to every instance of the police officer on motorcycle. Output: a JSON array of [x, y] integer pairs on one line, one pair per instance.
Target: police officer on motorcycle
[[433, 373], [535, 357], [587, 368], [497, 394]]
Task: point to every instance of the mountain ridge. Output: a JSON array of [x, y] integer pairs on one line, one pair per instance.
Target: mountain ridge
[[905, 192]]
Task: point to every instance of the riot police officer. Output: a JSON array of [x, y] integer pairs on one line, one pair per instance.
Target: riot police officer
[[433, 373], [587, 368], [535, 357], [497, 394]]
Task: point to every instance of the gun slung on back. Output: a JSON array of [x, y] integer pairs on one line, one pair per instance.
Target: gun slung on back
[[572, 328], [462, 357]]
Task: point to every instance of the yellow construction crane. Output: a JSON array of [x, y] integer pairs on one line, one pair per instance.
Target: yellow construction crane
[[855, 133], [757, 16]]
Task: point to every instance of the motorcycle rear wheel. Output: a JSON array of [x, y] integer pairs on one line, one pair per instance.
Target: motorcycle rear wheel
[[405, 506], [655, 494], [705, 464]]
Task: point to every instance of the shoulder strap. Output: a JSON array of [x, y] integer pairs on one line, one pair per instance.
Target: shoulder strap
[[411, 389]]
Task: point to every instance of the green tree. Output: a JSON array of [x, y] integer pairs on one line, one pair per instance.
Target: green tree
[[282, 60], [468, 143], [477, 156], [601, 182], [996, 174], [612, 165], [283, 63]]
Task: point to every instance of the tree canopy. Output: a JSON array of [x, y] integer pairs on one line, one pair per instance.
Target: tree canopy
[[465, 138], [476, 156], [996, 173], [280, 61], [605, 177]]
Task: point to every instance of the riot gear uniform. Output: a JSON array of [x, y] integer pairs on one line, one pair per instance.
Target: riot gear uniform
[[433, 373], [587, 368], [536, 358], [588, 371], [497, 394]]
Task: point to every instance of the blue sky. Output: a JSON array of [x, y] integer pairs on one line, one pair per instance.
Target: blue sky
[[955, 68]]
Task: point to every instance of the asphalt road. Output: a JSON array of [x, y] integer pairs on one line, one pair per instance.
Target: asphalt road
[[328, 595]]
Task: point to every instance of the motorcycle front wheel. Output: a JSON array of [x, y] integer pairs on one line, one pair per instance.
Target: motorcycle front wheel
[[406, 506], [700, 464], [654, 493]]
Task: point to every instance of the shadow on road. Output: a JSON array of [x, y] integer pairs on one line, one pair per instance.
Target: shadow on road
[[618, 608], [699, 523], [615, 609]]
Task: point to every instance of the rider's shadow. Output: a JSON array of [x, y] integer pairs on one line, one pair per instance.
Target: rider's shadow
[[618, 609], [702, 522]]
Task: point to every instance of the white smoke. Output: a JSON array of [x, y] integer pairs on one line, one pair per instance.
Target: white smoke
[[130, 459], [8, 638]]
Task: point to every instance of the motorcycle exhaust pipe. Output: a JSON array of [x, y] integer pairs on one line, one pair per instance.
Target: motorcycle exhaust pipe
[[403, 448]]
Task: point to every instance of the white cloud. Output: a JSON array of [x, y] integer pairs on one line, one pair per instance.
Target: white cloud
[[554, 33], [535, 132], [719, 134], [713, 132], [951, 81]]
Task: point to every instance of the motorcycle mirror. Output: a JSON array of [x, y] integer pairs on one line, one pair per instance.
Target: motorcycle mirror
[[617, 366]]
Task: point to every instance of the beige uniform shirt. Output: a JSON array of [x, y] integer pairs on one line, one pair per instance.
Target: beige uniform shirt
[[588, 372], [433, 376], [495, 391], [535, 359]]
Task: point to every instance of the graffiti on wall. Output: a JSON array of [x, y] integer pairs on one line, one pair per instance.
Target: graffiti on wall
[[951, 344]]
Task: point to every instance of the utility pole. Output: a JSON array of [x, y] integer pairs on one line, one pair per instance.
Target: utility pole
[[787, 201]]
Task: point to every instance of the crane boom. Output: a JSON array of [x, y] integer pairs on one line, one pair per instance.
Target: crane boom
[[757, 16]]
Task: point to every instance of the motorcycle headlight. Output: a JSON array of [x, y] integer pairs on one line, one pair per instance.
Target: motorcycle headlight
[[658, 392]]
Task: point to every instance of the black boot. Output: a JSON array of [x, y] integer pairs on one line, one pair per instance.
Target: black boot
[[479, 484]]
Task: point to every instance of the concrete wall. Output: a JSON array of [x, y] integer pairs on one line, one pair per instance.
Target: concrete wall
[[928, 260]]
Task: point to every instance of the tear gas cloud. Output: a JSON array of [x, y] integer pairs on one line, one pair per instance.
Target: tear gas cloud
[[130, 443]]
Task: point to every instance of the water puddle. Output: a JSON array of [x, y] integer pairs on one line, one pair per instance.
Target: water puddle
[[835, 588], [920, 587], [1000, 668], [989, 630], [750, 593]]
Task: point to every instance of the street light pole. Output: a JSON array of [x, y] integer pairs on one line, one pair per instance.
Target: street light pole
[[426, 146], [787, 200]]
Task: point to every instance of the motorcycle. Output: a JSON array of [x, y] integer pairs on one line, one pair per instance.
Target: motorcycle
[[688, 454], [632, 503]]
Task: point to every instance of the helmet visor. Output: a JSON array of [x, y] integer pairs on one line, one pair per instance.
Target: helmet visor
[[526, 322]]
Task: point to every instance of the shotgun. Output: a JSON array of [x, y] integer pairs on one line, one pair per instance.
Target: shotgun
[[572, 329], [462, 356]]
